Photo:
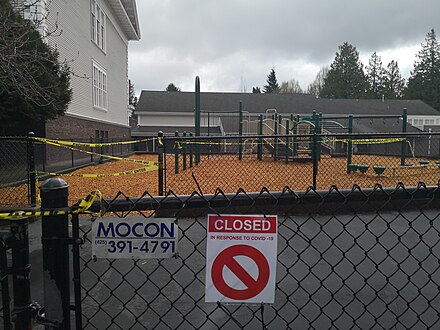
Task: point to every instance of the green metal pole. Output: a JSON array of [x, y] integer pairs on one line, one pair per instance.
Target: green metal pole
[[176, 154], [260, 139], [318, 130], [240, 131], [209, 124], [197, 119], [294, 139], [191, 150], [184, 151], [350, 143], [404, 130], [287, 141], [275, 141], [279, 121]]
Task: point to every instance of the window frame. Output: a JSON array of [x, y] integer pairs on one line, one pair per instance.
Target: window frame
[[99, 87], [98, 25]]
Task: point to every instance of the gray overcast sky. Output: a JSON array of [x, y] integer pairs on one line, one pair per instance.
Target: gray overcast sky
[[233, 44]]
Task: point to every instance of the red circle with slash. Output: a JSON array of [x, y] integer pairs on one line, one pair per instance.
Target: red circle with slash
[[226, 259]]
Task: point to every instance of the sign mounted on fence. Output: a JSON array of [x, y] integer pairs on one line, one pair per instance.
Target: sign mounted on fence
[[134, 238], [241, 258]]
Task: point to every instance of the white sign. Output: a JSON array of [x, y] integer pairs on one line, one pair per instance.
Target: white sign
[[134, 238], [241, 258]]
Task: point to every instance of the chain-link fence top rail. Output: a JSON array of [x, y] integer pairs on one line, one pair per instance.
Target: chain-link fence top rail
[[299, 161], [349, 259]]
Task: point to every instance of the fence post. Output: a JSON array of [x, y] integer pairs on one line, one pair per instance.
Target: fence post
[[101, 158], [316, 153], [55, 235], [240, 131], [176, 154], [21, 269], [287, 141], [6, 299], [197, 119], [350, 143], [404, 130], [160, 152], [32, 176], [184, 151], [275, 144], [260, 139], [191, 150]]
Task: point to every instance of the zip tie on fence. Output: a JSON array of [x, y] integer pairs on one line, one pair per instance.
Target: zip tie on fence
[[82, 207], [92, 145], [104, 175], [102, 155]]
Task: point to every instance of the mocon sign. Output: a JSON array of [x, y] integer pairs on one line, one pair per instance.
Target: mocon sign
[[134, 238], [241, 258]]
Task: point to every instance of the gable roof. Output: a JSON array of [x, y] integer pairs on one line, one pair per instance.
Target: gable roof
[[162, 101], [126, 13]]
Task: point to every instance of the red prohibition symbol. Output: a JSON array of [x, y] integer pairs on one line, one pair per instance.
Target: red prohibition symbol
[[226, 259]]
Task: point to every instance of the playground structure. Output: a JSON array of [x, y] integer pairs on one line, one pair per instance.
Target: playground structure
[[299, 138]]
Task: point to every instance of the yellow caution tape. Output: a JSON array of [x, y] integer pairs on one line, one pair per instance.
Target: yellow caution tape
[[370, 141], [104, 175], [91, 145], [102, 155], [85, 204], [82, 207]]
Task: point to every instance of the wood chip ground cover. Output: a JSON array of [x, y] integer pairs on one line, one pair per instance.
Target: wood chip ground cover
[[229, 174]]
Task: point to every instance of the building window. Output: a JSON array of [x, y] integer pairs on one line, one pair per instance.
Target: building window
[[97, 24], [99, 87]]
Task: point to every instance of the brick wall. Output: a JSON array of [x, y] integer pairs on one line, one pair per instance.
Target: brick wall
[[81, 130], [67, 127]]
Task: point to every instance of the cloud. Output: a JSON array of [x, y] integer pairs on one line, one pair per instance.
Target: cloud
[[223, 41]]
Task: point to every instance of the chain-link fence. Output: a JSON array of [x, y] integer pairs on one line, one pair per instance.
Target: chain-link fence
[[24, 160], [300, 161], [13, 171], [56, 158], [347, 259]]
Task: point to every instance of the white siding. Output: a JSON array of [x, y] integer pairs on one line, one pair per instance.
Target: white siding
[[74, 44], [170, 120], [421, 121]]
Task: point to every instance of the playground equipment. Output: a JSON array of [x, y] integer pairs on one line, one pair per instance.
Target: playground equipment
[[294, 137]]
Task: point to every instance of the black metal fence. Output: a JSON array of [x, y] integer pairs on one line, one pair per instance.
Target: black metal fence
[[347, 259], [23, 160], [352, 259], [231, 163], [359, 258]]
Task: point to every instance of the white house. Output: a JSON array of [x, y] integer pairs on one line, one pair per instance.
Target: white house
[[92, 36]]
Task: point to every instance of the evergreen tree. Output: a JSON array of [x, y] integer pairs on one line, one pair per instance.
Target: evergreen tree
[[256, 90], [346, 78], [132, 99], [375, 77], [34, 85], [172, 88], [394, 84], [424, 81], [272, 84]]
